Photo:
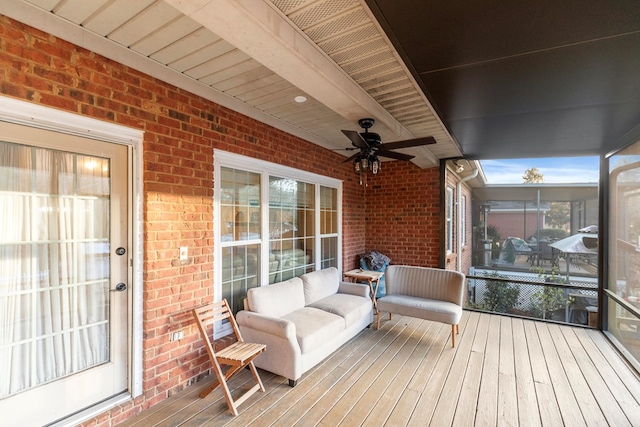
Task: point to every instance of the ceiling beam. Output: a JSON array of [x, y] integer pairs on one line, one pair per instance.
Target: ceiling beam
[[260, 30]]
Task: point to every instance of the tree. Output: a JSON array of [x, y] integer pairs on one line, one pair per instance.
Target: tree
[[559, 214], [532, 175]]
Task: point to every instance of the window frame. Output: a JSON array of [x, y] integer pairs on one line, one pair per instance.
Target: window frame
[[266, 170]]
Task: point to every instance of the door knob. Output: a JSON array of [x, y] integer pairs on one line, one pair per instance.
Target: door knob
[[120, 287]]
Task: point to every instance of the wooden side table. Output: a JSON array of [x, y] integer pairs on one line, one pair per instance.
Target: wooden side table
[[360, 275]]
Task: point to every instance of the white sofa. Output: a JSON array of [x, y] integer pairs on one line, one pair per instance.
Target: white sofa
[[426, 293], [303, 320]]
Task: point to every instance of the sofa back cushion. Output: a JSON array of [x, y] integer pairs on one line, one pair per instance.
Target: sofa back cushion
[[278, 299], [424, 282], [320, 284]]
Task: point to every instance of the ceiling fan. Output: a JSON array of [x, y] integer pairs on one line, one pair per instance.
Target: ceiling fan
[[370, 144], [371, 147]]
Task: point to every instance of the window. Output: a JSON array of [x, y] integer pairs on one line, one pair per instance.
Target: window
[[291, 228], [463, 220], [273, 223], [449, 213], [240, 234], [329, 227]]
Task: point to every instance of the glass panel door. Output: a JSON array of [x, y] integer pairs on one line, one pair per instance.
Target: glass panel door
[[61, 327]]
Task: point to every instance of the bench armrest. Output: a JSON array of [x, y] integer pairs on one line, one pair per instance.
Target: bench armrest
[[354, 289]]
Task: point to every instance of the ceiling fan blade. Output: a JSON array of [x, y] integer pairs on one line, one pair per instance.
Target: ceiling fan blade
[[351, 158], [428, 140], [356, 139], [394, 155]]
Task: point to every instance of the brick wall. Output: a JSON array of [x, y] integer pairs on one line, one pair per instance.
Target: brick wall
[[511, 224], [399, 215], [402, 213]]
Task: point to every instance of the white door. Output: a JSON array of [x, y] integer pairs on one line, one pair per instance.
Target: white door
[[64, 274]]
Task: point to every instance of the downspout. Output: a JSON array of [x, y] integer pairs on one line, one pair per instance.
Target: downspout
[[459, 222]]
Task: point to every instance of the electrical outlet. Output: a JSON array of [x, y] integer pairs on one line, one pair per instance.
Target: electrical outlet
[[177, 336], [184, 253]]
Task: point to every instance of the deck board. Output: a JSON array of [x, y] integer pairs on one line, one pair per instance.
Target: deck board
[[468, 398], [487, 410], [591, 412], [507, 395], [525, 394], [446, 408], [503, 371]]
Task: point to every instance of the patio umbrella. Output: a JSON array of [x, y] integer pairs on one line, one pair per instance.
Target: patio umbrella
[[577, 244]]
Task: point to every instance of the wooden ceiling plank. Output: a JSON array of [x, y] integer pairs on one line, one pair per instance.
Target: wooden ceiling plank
[[196, 58], [78, 11], [240, 81], [115, 14], [222, 62], [268, 93], [184, 46], [48, 5], [145, 23], [228, 73], [181, 27]]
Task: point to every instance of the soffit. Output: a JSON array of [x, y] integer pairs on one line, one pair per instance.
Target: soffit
[[256, 55]]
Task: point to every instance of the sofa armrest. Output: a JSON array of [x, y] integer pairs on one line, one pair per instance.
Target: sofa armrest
[[354, 289], [271, 325]]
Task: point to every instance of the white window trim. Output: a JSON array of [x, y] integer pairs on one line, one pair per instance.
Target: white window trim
[[41, 117], [463, 220], [267, 169], [449, 219]]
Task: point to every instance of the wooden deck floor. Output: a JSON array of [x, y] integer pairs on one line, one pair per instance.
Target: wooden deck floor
[[503, 371]]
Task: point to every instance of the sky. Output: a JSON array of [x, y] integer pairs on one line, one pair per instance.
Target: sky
[[559, 170]]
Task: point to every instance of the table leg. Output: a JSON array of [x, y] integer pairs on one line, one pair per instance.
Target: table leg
[[374, 292]]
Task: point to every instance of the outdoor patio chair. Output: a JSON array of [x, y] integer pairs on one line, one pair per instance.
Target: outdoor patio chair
[[236, 356], [547, 253]]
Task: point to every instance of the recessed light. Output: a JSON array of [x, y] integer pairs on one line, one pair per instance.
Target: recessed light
[[300, 99]]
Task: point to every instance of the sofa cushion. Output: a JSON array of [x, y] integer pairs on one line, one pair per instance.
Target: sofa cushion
[[315, 327], [350, 307], [278, 299], [422, 308], [320, 284]]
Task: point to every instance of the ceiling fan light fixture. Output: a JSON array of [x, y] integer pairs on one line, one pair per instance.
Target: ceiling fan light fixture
[[371, 146], [375, 165], [364, 163]]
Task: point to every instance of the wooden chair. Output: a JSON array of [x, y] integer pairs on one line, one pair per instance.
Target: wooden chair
[[237, 356]]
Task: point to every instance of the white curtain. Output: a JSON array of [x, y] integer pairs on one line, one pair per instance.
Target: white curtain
[[54, 265]]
